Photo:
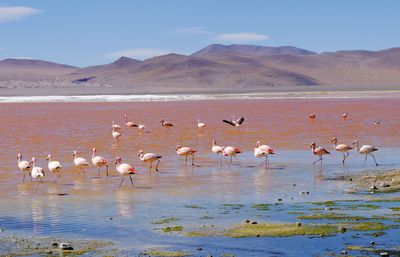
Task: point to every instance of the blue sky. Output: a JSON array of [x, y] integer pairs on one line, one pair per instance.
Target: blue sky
[[82, 33]]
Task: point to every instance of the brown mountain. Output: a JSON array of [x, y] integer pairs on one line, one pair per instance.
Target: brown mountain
[[233, 68]]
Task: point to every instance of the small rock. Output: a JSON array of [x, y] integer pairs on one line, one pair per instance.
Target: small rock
[[54, 244], [304, 193], [328, 208], [254, 222], [372, 242], [209, 255], [199, 249], [343, 252], [279, 199], [384, 254], [49, 252], [298, 224], [294, 185], [350, 179], [373, 187], [257, 235], [1, 229], [65, 246], [110, 218], [246, 221], [342, 229]]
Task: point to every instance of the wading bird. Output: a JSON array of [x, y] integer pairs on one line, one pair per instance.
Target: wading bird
[[185, 151], [231, 152], [344, 116], [367, 150], [80, 162], [125, 170], [149, 158], [200, 124], [341, 148], [115, 127], [312, 116], [99, 162], [116, 135], [217, 150], [54, 166], [166, 124], [319, 151], [263, 150], [129, 123], [37, 172], [24, 166]]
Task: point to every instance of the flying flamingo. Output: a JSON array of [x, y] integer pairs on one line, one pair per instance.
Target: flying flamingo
[[54, 166], [129, 123], [319, 151], [263, 150], [116, 135], [150, 158], [367, 150], [37, 172], [234, 122], [166, 124], [232, 152], [185, 151], [217, 150], [312, 116], [115, 127], [80, 162], [24, 166], [99, 162], [125, 170], [344, 116], [200, 124], [341, 148]]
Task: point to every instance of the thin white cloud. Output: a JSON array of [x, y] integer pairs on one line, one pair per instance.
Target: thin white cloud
[[192, 30], [246, 37], [12, 13], [139, 53]]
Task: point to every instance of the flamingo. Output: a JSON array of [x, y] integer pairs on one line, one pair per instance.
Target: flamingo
[[166, 124], [116, 135], [312, 116], [319, 151], [150, 158], [37, 172], [263, 150], [367, 150], [115, 127], [344, 116], [232, 152], [234, 122], [217, 150], [54, 166], [80, 162], [141, 126], [99, 162], [125, 170], [129, 123], [24, 166], [200, 124], [377, 122], [185, 151], [341, 148]]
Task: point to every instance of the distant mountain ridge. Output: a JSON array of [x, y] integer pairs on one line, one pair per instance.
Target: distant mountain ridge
[[217, 68]]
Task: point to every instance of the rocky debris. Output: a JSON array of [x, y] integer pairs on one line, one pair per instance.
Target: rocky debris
[[65, 246]]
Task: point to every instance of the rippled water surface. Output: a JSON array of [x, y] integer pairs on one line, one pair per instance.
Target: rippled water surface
[[96, 208]]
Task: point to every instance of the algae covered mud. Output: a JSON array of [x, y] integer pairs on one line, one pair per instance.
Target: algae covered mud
[[241, 210]]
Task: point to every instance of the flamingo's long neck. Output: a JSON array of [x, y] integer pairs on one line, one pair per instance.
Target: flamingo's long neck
[[357, 146], [33, 163], [49, 159], [19, 159], [126, 118], [93, 154], [335, 143]]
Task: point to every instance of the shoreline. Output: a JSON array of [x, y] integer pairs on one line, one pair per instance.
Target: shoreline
[[202, 96]]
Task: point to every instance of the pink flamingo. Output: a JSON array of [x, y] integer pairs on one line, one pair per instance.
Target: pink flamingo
[[200, 124], [367, 150], [263, 150], [149, 158], [217, 150], [166, 124], [319, 151], [125, 170], [80, 162], [341, 148], [234, 122], [24, 166], [344, 116], [129, 123], [99, 162], [116, 135], [312, 116], [115, 127], [232, 152], [185, 151]]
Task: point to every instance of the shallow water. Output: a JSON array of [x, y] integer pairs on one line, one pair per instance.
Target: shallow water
[[94, 207]]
